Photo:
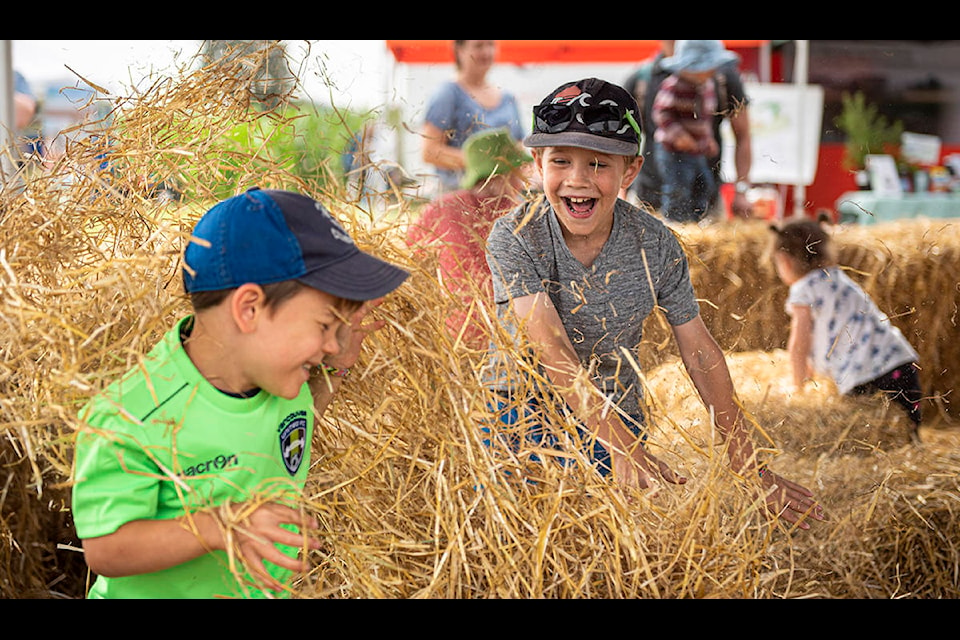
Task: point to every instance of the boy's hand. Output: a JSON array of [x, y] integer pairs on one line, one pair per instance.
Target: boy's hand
[[642, 470], [350, 335], [789, 500], [741, 206], [259, 532]]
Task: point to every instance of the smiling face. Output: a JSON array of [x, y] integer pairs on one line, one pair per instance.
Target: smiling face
[[583, 186], [291, 339]]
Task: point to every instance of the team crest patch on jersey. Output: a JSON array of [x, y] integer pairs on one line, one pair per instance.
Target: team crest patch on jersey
[[293, 442]]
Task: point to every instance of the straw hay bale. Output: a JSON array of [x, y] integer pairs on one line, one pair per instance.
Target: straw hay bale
[[411, 502], [891, 506]]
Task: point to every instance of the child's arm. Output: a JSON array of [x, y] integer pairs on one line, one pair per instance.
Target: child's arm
[[800, 343], [672, 134], [670, 130], [631, 463], [707, 367], [146, 546], [437, 152], [682, 140]]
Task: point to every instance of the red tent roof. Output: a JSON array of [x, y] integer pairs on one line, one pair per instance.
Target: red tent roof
[[541, 51]]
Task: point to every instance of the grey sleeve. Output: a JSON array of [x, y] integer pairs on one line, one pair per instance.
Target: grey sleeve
[[511, 264], [675, 294]]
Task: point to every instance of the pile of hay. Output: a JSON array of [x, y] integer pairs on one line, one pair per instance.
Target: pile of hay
[[892, 507], [411, 502]]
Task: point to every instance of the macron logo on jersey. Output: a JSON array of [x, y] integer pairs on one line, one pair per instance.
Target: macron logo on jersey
[[293, 440], [218, 463]]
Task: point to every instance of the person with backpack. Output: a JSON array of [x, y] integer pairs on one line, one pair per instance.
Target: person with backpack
[[732, 104]]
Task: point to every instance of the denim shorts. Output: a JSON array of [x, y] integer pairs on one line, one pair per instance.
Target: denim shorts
[[508, 415]]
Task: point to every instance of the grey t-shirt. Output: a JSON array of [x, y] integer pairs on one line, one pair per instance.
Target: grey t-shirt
[[602, 308]]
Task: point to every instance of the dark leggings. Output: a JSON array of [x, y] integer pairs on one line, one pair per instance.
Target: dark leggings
[[902, 385]]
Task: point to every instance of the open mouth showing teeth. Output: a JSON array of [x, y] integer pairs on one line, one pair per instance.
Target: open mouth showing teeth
[[580, 206]]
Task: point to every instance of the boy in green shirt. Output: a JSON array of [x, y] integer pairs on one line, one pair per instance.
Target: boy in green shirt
[[195, 458]]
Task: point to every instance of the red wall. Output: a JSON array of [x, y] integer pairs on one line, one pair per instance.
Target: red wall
[[830, 182]]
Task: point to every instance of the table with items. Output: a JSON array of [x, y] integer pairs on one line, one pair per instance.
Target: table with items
[[868, 207]]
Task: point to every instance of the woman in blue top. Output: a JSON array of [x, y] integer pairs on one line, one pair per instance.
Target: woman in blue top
[[463, 106]]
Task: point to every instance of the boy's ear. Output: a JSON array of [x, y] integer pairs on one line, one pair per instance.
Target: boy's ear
[[633, 168], [246, 305], [537, 154]]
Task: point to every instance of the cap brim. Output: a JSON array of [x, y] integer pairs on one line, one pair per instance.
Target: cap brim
[[583, 141], [358, 277], [698, 65], [472, 177]]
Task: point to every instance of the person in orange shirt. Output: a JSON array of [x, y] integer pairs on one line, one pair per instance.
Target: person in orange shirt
[[457, 223]]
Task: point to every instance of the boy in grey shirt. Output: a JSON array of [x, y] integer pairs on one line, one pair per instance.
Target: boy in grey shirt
[[579, 270]]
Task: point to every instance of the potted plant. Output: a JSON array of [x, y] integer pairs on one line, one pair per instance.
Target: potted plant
[[868, 132]]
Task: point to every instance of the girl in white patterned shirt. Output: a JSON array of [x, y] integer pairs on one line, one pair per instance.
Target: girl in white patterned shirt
[[836, 328]]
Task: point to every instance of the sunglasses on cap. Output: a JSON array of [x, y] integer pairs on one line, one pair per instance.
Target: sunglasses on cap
[[600, 119]]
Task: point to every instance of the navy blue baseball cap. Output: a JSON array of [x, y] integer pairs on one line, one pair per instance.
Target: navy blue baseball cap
[[264, 236]]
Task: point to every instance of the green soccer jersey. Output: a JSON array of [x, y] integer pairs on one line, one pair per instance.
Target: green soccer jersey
[[163, 441]]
